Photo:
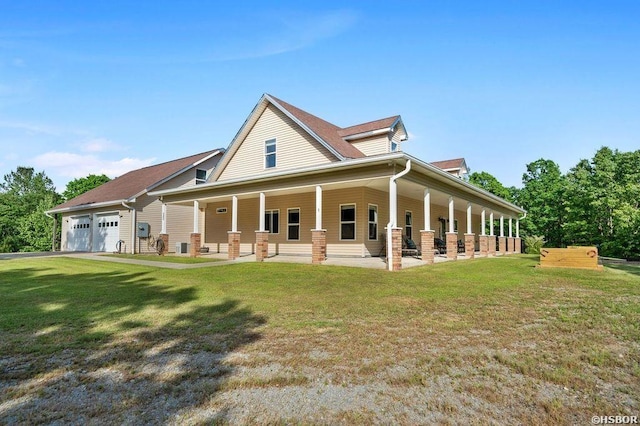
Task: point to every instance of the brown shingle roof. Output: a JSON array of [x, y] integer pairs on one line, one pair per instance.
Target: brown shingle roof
[[132, 183], [456, 163], [383, 123], [325, 130]]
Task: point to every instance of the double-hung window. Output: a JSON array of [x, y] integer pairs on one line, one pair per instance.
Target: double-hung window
[[201, 176], [373, 222], [293, 224], [272, 221], [408, 224], [270, 154], [348, 222]]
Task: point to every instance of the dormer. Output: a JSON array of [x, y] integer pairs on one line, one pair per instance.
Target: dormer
[[457, 167], [376, 137]]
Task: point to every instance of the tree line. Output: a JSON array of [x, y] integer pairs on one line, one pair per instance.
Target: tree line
[[595, 203]]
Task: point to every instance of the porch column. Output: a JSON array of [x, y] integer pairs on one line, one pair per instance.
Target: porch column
[[318, 235], [518, 241], [511, 241], [234, 234], [492, 238], [427, 234], [502, 240], [394, 234], [483, 239], [195, 238], [262, 236], [469, 237], [163, 232], [452, 237]]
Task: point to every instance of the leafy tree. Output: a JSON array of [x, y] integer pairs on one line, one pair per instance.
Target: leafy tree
[[84, 184], [23, 193], [489, 183]]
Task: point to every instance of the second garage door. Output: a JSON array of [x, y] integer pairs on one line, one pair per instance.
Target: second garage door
[[106, 232]]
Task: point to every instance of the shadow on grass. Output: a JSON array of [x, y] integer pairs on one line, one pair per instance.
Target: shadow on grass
[[111, 347], [633, 269]]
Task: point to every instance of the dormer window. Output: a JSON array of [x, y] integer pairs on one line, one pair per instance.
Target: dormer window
[[201, 176], [270, 154], [394, 146]]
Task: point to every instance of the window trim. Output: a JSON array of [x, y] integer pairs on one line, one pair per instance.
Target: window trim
[[267, 224], [294, 224], [369, 222], [200, 181], [268, 142], [406, 225], [355, 220]]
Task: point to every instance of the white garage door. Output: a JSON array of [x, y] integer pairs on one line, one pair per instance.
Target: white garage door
[[106, 232], [79, 233]]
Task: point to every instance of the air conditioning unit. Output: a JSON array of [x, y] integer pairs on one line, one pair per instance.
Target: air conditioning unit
[[182, 247]]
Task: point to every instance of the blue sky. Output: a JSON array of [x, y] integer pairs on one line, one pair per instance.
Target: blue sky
[[110, 86]]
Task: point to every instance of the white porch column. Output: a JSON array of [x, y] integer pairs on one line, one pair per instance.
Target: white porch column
[[451, 216], [502, 225], [427, 210], [196, 216], [318, 207], [517, 228], [483, 221], [262, 211], [469, 230], [234, 214], [510, 227], [163, 228], [491, 224]]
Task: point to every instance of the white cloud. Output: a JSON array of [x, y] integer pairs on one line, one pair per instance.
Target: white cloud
[[99, 145], [73, 166]]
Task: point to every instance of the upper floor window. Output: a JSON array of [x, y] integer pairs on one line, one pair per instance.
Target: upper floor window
[[270, 154], [201, 176]]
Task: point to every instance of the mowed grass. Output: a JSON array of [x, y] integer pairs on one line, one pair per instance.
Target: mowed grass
[[489, 340], [169, 258]]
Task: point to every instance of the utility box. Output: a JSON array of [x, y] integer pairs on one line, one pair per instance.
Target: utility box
[[142, 230], [183, 247]]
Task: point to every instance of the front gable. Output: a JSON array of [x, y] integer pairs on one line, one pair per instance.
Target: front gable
[[191, 176], [294, 146]]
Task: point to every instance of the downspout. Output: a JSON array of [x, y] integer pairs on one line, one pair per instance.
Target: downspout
[[393, 211], [133, 227], [53, 234]]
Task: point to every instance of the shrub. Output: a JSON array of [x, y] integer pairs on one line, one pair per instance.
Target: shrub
[[533, 244]]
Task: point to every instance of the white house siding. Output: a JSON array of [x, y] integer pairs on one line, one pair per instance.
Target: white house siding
[[373, 145], [294, 147], [188, 178]]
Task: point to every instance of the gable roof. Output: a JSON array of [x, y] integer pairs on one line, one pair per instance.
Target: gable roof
[[133, 183], [371, 126], [454, 164]]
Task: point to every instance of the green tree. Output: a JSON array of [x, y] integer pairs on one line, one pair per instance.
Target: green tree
[[82, 185], [489, 183], [23, 193]]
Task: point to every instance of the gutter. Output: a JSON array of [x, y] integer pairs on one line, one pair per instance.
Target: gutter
[[367, 134], [393, 211], [133, 226]]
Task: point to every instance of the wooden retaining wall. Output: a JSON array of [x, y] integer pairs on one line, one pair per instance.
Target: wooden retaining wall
[[570, 257]]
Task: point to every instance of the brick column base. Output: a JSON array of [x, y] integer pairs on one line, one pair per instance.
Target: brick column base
[[502, 245], [262, 245], [484, 245], [426, 246], [396, 248], [491, 241], [511, 248], [194, 250], [469, 246], [234, 245], [165, 247], [318, 246], [518, 245], [452, 245]]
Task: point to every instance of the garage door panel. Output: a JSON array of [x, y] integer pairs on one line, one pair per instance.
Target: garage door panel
[[107, 232], [79, 234]]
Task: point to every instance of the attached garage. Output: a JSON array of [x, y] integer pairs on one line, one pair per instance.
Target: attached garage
[[106, 232], [79, 233]]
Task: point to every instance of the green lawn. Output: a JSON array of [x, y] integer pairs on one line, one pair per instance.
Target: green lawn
[[167, 258], [489, 340]]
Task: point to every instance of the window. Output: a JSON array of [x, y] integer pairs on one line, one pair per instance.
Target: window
[[373, 222], [272, 221], [408, 224], [201, 176], [270, 154], [348, 222], [394, 146], [293, 227]]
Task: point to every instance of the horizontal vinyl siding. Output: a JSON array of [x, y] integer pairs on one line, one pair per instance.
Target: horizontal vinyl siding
[[188, 178], [373, 146], [294, 147]]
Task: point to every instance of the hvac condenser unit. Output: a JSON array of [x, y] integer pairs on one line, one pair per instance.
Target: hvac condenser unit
[[182, 247]]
